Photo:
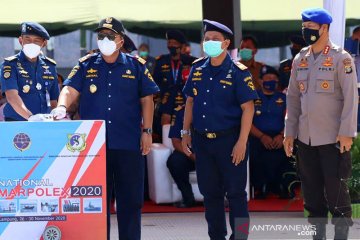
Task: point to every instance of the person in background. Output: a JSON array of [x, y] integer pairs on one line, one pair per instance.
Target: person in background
[[248, 50], [297, 43], [268, 160], [128, 46], [186, 49], [144, 53], [322, 103], [29, 79]]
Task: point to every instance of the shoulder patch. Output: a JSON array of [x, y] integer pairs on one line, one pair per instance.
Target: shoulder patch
[[141, 60], [9, 59], [86, 57], [51, 60], [241, 66], [198, 60], [158, 57]]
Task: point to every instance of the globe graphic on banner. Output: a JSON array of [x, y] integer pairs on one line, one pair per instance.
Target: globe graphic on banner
[[22, 141]]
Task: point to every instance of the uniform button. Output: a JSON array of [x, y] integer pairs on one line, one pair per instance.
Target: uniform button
[[210, 79], [204, 103], [224, 86], [109, 96], [91, 80], [203, 116], [109, 109], [208, 90], [109, 84], [110, 72], [109, 121], [206, 129]]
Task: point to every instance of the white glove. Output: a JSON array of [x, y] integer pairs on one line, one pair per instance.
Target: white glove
[[41, 118], [59, 112]]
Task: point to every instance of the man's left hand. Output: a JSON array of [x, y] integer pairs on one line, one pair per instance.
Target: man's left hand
[[345, 143], [238, 153], [278, 141], [146, 141]]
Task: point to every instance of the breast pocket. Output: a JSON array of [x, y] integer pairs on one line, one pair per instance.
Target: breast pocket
[[325, 82], [302, 81]]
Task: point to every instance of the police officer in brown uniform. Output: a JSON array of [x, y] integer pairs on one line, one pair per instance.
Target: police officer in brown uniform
[[322, 111]]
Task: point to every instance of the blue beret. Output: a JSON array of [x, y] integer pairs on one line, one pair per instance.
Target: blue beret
[[129, 45], [216, 26], [266, 69], [35, 29], [176, 35], [318, 15]]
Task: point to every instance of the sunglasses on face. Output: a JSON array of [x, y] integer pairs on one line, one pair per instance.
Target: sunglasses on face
[[111, 37]]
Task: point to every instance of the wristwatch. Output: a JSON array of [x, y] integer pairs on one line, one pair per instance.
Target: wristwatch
[[185, 132], [148, 130]]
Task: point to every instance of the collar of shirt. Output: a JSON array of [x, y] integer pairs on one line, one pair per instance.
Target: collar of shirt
[[224, 65], [120, 59], [23, 58], [324, 52]]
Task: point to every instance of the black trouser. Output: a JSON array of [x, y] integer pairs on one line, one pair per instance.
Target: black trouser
[[125, 170], [323, 171], [179, 166]]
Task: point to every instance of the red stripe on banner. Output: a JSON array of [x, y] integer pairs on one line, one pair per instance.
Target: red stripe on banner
[[17, 188], [80, 160]]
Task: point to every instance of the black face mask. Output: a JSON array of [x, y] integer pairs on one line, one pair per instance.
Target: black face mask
[[310, 35], [294, 51], [174, 50]]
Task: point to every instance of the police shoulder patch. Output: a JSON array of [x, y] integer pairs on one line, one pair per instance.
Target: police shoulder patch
[[50, 60], [241, 66], [199, 60], [12, 58]]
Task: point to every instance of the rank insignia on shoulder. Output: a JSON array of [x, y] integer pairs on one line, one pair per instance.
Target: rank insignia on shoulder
[[51, 60], [141, 60], [85, 58], [241, 66], [11, 58], [198, 60]]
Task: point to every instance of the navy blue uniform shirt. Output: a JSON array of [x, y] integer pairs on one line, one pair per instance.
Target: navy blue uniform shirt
[[177, 122], [218, 93], [33, 81], [172, 99], [112, 92], [270, 112]]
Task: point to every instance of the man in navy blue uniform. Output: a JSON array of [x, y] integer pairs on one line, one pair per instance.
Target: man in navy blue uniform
[[179, 164], [117, 88], [220, 109], [172, 70], [29, 79], [268, 161]]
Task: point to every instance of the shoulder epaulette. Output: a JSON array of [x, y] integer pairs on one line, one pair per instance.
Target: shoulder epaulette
[[241, 66], [141, 60], [9, 59], [305, 49], [158, 57], [84, 58], [284, 61], [50, 60], [198, 60], [178, 108]]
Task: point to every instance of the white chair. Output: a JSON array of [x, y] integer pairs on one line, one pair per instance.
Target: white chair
[[162, 188]]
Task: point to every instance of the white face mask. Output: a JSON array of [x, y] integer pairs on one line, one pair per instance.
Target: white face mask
[[106, 46], [31, 50]]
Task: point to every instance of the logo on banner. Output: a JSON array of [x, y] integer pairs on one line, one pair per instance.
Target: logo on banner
[[52, 233], [76, 142], [22, 141]]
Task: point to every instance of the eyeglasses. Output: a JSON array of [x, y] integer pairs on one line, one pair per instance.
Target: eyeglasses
[[111, 37]]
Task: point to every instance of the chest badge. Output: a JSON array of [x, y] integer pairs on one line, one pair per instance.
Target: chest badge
[[303, 62], [46, 68], [325, 85], [279, 101], [26, 88], [195, 92], [328, 62], [38, 86], [7, 74], [93, 88], [258, 112], [128, 71]]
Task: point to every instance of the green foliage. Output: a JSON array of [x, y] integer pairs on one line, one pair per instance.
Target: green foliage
[[354, 181]]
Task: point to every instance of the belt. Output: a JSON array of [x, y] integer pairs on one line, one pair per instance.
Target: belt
[[213, 135]]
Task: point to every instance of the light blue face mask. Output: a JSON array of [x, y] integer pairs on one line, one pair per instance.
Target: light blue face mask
[[212, 48], [245, 54]]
